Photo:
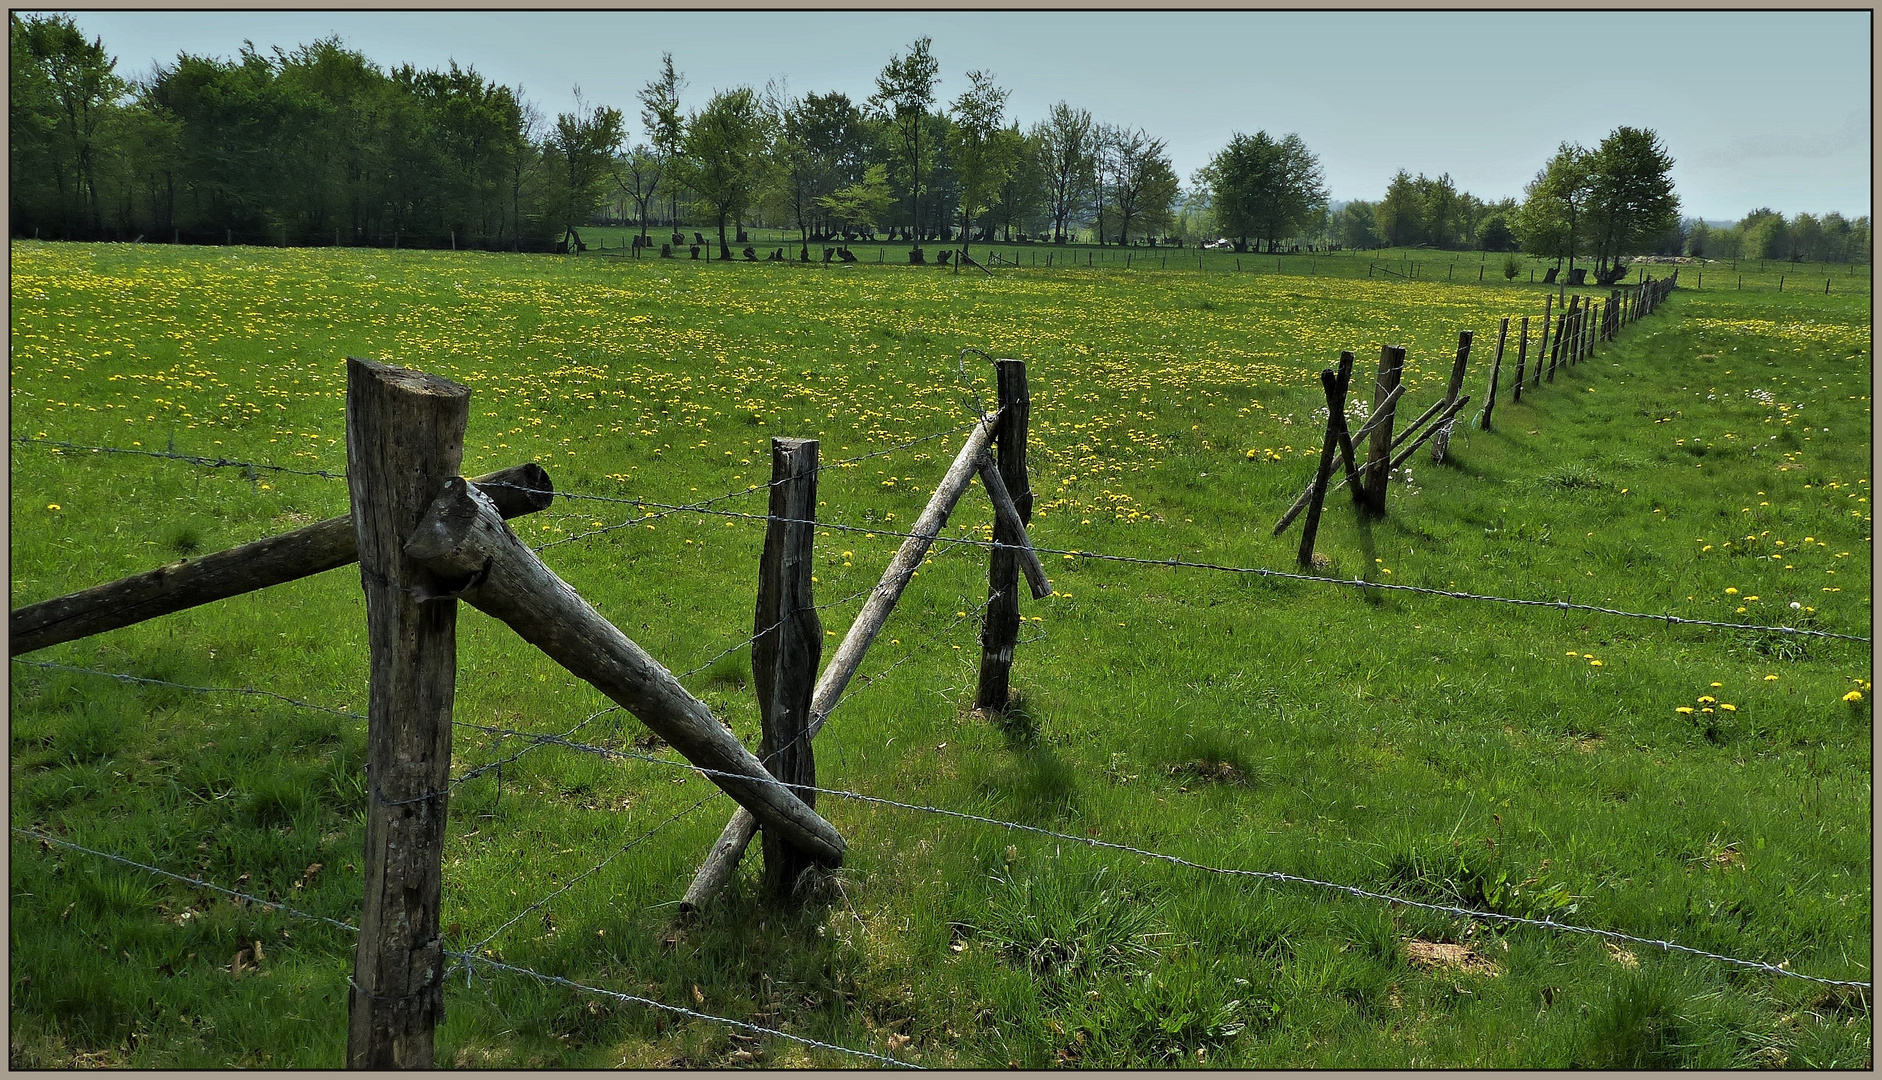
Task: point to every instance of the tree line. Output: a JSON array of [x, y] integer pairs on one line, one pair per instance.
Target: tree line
[[319, 145]]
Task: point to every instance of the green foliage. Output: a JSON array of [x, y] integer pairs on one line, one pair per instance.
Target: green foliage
[[1264, 188]]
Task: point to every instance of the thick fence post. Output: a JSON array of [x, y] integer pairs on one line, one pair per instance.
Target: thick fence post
[[1496, 369], [1377, 472], [788, 645], [1441, 442], [1522, 359], [999, 635], [1334, 383], [404, 439]]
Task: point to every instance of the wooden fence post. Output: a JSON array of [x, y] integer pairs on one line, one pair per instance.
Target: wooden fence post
[[999, 634], [1334, 383], [1441, 442], [404, 439], [788, 645], [1555, 350], [1522, 360], [1496, 369], [1377, 473], [1542, 347]]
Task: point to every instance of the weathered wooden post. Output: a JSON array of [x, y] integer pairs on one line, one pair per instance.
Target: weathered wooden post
[[999, 634], [1334, 384], [1441, 442], [1555, 349], [788, 645], [1522, 359], [404, 439], [1496, 369], [1377, 472], [1542, 347]]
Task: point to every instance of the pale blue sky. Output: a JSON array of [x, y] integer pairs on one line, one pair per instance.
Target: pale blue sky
[[1758, 108]]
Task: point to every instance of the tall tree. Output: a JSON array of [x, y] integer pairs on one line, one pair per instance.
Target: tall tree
[[1399, 217], [723, 156], [1552, 221], [1067, 142], [981, 157], [904, 93], [862, 204], [1143, 186], [665, 127], [1631, 199], [1264, 188], [1439, 201], [1356, 226], [70, 87], [638, 173], [1022, 195], [583, 144]]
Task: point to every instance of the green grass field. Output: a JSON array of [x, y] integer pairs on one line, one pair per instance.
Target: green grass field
[[1712, 464]]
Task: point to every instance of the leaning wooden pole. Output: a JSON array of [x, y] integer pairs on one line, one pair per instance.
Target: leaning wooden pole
[[1522, 359], [404, 439], [999, 633], [1542, 346], [788, 644], [463, 540], [1333, 384], [1496, 370], [716, 869], [1441, 440], [324, 545]]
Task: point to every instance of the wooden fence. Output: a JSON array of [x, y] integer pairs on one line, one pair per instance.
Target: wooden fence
[[426, 538], [1582, 323]]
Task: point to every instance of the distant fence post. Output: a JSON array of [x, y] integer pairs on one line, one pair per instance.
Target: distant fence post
[[404, 439], [1441, 442], [788, 645], [999, 634], [1377, 470]]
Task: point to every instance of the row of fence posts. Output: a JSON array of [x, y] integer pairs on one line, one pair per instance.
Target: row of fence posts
[[1579, 326], [425, 537]]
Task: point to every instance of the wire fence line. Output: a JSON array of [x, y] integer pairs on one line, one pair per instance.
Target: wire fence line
[[540, 738], [1264, 875], [1360, 583], [193, 459], [464, 958]]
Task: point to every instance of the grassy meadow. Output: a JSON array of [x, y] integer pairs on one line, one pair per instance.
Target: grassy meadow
[[1712, 787]]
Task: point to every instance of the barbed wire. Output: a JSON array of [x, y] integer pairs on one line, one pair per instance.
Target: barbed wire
[[1360, 583], [1266, 875], [194, 459], [635, 999], [139, 679], [463, 957], [716, 499], [584, 875], [192, 880]]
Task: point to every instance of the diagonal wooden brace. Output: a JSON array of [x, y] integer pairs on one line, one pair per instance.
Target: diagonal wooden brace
[[463, 539], [324, 545], [716, 869], [1008, 514]]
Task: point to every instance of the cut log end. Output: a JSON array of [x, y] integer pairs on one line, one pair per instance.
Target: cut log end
[[406, 380]]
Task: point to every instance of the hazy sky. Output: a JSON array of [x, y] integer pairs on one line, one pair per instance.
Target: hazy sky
[[1758, 108]]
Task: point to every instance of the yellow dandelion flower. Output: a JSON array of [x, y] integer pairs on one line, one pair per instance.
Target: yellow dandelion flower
[[1770, 678], [1728, 706], [1684, 710], [1731, 592], [1853, 696]]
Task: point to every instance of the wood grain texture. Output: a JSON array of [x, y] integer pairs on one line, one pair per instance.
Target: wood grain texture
[[717, 867], [464, 541], [324, 545], [788, 644], [999, 630], [404, 437]]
